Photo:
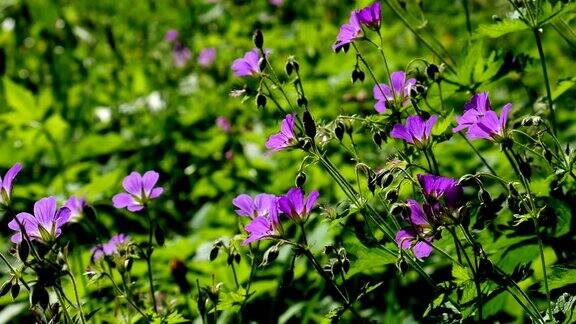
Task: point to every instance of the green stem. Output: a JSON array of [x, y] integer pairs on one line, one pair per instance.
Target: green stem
[[538, 38], [478, 154], [14, 271], [149, 263], [467, 13], [235, 276], [63, 305], [79, 305]]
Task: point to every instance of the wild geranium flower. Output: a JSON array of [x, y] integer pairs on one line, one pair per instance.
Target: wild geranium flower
[[489, 126], [475, 109], [296, 206], [248, 65], [417, 131], [262, 205], [285, 138], [6, 184], [370, 16], [263, 212], [418, 236], [436, 188], [207, 56], [46, 223], [109, 247], [76, 206], [139, 190], [349, 32], [385, 96], [223, 124], [171, 35], [181, 54]]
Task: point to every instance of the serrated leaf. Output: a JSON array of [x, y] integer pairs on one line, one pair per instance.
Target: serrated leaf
[[440, 127], [500, 29], [460, 274], [364, 259], [560, 277]]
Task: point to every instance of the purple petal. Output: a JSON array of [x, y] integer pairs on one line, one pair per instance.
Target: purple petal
[[296, 198], [133, 184], [149, 179], [422, 249], [244, 204], [9, 177], [400, 132], [25, 219], [122, 200], [311, 201], [397, 80], [134, 207], [380, 106], [62, 216], [156, 192], [504, 115], [382, 92], [404, 238], [417, 216], [285, 206], [44, 211]]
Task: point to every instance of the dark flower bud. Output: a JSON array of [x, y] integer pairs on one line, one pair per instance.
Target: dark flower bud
[[261, 100], [300, 179], [39, 296], [421, 89], [392, 195], [345, 48], [289, 67], [5, 288], [485, 267], [354, 76], [383, 135], [413, 92], [402, 266], [349, 129], [214, 252], [230, 259], [237, 257], [484, 197], [339, 130], [371, 182], [23, 251], [262, 64], [15, 291], [433, 72], [309, 124], [346, 265], [399, 210], [302, 101], [547, 154], [386, 179], [270, 255], [466, 179], [361, 75], [159, 235], [329, 250], [128, 264], [258, 39], [296, 66], [377, 139]]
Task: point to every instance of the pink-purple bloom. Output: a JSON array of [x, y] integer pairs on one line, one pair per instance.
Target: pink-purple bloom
[[370, 16], [285, 138], [263, 212], [139, 191], [436, 188], [481, 121], [171, 35], [76, 206], [110, 247], [296, 206], [46, 223], [248, 65], [223, 124], [397, 93], [6, 184], [417, 130], [207, 56], [416, 237], [349, 32], [181, 54]]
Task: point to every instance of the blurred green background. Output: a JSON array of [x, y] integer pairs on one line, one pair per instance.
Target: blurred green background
[[90, 91]]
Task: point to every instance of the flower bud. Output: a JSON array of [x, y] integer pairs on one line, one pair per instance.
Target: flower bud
[[547, 154], [386, 179], [6, 287], [329, 250], [392, 195], [39, 296], [484, 197], [433, 72], [300, 179], [214, 252], [289, 68], [309, 124], [399, 210], [296, 66], [15, 291], [261, 100], [23, 251], [402, 266], [339, 130], [128, 264], [258, 39], [361, 76], [377, 139], [159, 235], [262, 64], [302, 101], [270, 255], [346, 265]]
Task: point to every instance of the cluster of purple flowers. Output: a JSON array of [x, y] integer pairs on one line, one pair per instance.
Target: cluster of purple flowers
[[395, 94], [481, 121], [264, 211], [110, 247], [369, 17], [442, 196], [180, 53]]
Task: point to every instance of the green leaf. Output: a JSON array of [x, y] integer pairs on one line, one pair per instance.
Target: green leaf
[[560, 277], [231, 301], [440, 127], [500, 29], [460, 274], [364, 259]]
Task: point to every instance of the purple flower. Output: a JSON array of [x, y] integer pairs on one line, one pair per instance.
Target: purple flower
[[207, 56], [110, 247], [437, 187], [370, 16], [76, 207], [6, 184], [139, 190], [417, 237], [181, 54], [417, 131], [171, 35], [262, 205], [46, 223], [223, 124], [285, 138], [296, 206], [260, 228], [489, 126], [248, 65], [384, 95], [348, 32], [276, 3], [475, 109]]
